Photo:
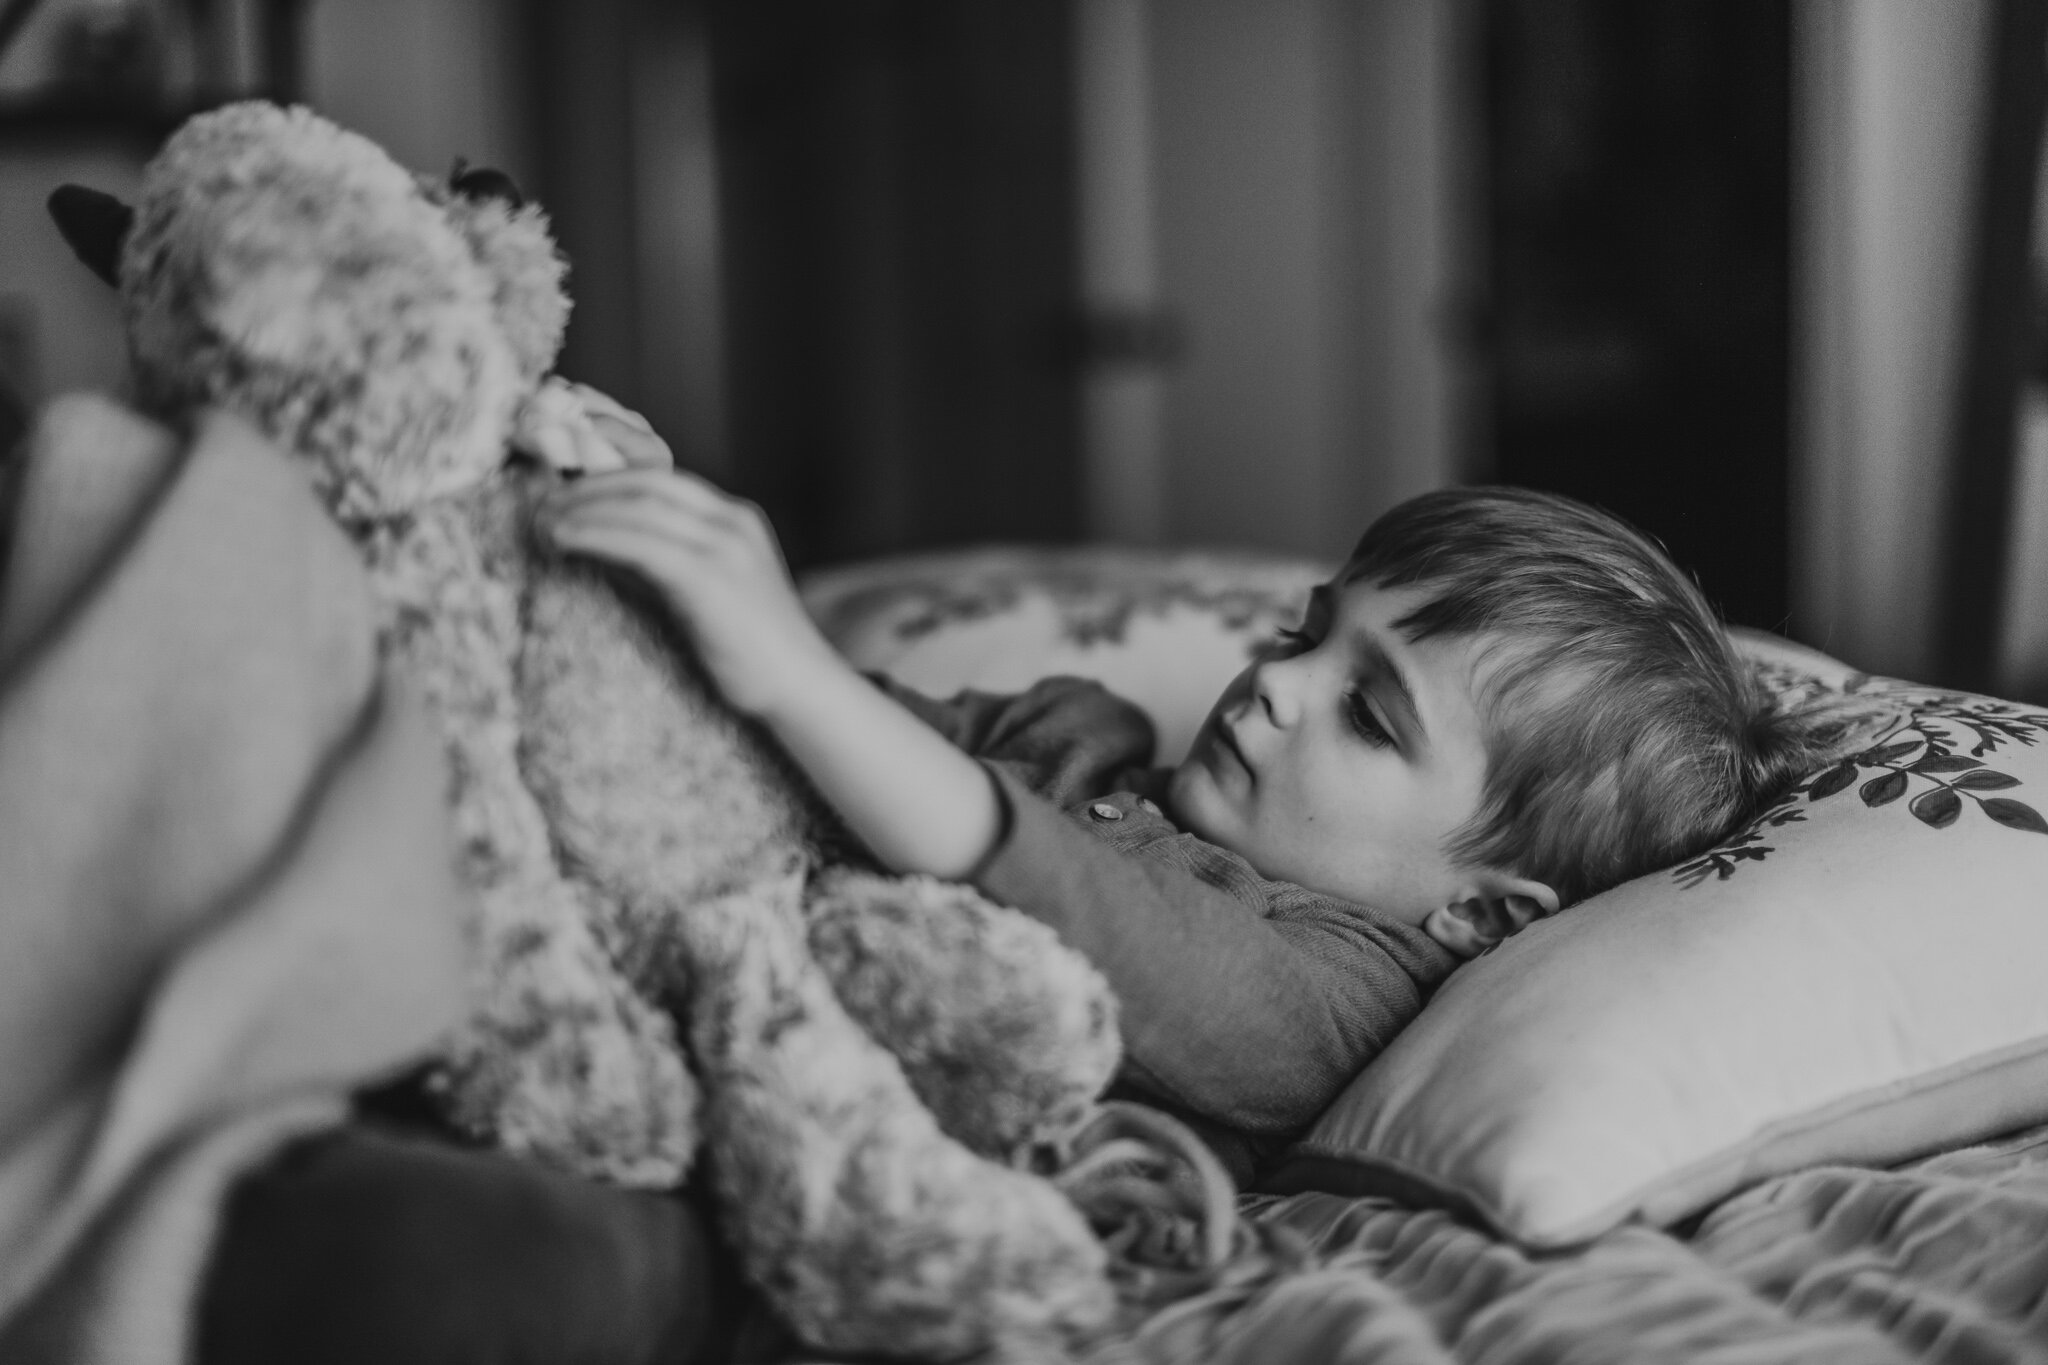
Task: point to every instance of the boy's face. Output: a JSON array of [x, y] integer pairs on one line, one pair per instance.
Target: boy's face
[[1345, 757]]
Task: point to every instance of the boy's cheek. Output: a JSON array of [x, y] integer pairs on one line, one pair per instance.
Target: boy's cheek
[[1199, 806]]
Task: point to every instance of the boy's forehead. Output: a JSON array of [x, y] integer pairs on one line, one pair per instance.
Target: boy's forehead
[[1348, 588], [1445, 609], [1349, 572], [1471, 659], [1354, 576]]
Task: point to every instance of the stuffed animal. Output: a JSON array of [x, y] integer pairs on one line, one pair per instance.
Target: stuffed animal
[[672, 945]]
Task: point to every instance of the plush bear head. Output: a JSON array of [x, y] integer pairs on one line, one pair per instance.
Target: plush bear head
[[386, 326]]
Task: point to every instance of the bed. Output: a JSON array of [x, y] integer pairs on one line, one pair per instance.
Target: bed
[[1838, 1155], [1847, 1166]]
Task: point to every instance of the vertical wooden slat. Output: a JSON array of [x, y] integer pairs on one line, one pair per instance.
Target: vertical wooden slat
[[579, 63], [899, 237], [284, 50], [1997, 350]]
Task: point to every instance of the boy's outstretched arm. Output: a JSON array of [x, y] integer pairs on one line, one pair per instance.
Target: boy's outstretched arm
[[920, 804]]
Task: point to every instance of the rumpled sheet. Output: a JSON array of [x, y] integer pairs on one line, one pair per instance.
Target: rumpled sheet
[[1942, 1260], [224, 887]]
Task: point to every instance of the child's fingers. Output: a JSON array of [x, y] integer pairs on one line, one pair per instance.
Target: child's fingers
[[681, 526], [640, 447], [554, 446], [648, 483], [686, 490], [678, 489], [599, 455], [681, 497], [695, 540], [661, 557], [598, 403], [627, 489]]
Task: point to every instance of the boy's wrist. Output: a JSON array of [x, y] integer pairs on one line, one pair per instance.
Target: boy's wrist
[[919, 803], [808, 676]]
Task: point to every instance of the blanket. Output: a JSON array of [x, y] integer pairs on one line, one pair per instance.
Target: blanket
[[224, 886], [1943, 1261]]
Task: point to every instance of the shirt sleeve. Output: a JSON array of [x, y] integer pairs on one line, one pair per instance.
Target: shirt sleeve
[[1065, 738], [1257, 1022]]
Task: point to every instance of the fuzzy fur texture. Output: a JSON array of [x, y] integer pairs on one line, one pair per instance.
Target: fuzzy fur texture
[[661, 798], [648, 872], [288, 269]]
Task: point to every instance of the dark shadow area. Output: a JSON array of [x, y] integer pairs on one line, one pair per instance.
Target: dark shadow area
[[897, 244], [897, 190], [1639, 245]]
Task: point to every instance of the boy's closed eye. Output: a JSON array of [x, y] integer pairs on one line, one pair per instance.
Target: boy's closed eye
[[1356, 700], [1359, 714]]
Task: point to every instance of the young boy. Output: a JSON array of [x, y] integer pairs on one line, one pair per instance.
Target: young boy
[[1504, 702]]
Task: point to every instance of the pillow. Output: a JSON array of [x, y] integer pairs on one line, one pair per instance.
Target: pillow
[[1857, 977], [1166, 630]]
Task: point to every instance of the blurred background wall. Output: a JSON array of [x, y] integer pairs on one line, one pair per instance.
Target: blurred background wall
[[1760, 275]]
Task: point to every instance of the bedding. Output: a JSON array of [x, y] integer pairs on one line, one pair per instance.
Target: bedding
[[1943, 1260], [226, 895], [1756, 1244], [1163, 629], [105, 1208]]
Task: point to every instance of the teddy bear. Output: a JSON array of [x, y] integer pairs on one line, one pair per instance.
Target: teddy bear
[[674, 947]]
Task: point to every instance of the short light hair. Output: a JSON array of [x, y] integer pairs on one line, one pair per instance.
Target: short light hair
[[1623, 733]]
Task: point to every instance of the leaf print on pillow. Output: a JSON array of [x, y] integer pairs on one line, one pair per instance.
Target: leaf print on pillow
[[1924, 748]]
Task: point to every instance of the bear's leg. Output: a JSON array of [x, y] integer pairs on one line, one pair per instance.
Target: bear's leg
[[562, 1060], [868, 1228], [1006, 1033]]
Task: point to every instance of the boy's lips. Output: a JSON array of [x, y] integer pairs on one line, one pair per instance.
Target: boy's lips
[[1228, 739]]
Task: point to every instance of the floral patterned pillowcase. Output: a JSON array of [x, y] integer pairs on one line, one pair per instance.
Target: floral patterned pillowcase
[[1166, 630], [1855, 977]]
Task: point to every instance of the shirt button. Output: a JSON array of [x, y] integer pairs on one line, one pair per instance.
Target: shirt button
[[1148, 805], [1103, 810]]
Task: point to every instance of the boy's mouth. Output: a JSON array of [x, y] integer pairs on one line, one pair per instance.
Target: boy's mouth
[[1228, 740]]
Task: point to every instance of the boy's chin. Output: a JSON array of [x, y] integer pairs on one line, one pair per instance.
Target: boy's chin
[[1196, 803]]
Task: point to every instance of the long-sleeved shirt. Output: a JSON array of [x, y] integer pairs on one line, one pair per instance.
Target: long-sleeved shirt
[[1247, 1003]]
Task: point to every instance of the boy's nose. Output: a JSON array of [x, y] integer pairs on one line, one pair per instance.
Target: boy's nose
[[1275, 689]]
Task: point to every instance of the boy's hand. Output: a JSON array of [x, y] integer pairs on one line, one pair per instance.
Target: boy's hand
[[717, 566], [573, 427], [919, 803]]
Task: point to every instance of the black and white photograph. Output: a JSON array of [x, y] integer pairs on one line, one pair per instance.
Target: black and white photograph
[[1023, 682]]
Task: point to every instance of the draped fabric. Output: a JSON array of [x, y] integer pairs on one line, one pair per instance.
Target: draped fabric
[[224, 892], [1943, 1260]]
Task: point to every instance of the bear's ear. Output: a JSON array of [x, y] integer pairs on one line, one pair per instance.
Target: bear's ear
[[96, 224], [484, 182]]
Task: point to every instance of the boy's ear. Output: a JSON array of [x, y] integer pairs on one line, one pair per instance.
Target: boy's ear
[[96, 224], [1489, 913]]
